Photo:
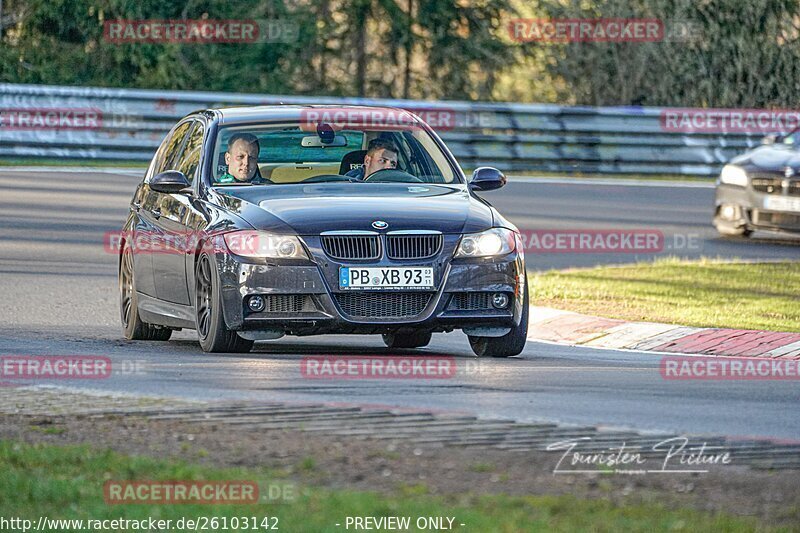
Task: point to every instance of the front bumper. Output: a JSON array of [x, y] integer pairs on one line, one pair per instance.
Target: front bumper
[[306, 298], [748, 211]]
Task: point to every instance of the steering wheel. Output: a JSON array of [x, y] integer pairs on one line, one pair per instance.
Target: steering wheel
[[392, 175], [324, 178]]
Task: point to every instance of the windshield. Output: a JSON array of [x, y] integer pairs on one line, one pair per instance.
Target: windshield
[[288, 154]]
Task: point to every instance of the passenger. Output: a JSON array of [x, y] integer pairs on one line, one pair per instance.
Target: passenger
[[381, 154], [242, 160]]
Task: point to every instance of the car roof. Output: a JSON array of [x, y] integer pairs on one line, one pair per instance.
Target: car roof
[[296, 113]]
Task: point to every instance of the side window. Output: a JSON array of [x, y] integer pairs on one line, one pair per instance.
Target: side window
[[188, 160], [171, 148]]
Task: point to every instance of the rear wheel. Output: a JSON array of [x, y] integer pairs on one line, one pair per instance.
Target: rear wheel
[[411, 339], [214, 336], [133, 327], [510, 344]]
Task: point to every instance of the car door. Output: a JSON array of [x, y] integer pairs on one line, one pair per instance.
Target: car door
[[175, 211], [152, 234], [147, 234], [139, 240]]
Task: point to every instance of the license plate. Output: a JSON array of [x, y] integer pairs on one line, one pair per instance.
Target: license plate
[[386, 278], [779, 203]]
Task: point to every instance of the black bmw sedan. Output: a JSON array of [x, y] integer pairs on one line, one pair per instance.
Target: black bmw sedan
[[254, 223]]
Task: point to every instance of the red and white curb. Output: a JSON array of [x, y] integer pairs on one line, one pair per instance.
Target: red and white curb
[[575, 329]]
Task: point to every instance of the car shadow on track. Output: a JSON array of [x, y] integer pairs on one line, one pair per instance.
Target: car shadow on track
[[266, 349]]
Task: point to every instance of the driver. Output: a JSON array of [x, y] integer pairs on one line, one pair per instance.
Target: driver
[[381, 154], [242, 160]]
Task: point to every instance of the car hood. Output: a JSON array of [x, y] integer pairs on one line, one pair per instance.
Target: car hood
[[312, 209], [771, 157]]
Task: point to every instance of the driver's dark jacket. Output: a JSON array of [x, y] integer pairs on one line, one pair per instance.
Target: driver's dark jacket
[[256, 180], [357, 173]]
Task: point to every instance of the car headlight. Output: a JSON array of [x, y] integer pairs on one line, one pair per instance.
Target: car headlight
[[733, 175], [492, 242], [262, 244]]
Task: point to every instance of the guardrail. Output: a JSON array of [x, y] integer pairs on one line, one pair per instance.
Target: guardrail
[[129, 125]]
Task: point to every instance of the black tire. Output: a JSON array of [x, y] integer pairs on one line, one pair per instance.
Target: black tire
[[409, 339], [212, 333], [132, 326], [510, 344]]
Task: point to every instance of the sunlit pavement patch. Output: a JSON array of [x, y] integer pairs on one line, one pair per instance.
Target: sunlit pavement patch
[[551, 325], [51, 400]]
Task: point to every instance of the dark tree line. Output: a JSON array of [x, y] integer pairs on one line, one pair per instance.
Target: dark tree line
[[383, 48], [739, 53], [716, 53]]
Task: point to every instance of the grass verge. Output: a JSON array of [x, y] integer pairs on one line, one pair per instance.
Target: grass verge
[[66, 482], [705, 293]]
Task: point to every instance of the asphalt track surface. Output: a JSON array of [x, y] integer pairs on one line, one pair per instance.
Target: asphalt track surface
[[58, 288]]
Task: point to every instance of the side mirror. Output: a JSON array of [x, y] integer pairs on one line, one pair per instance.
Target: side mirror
[[487, 179], [169, 182]]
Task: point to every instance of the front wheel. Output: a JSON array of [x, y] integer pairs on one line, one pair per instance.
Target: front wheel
[[739, 232], [726, 229], [510, 344], [214, 336]]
